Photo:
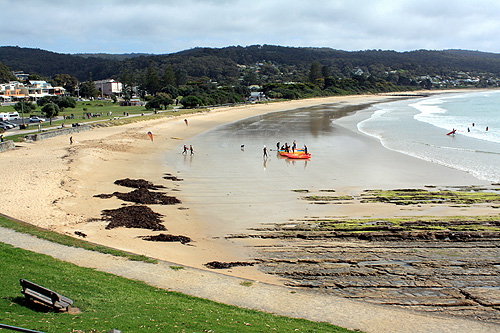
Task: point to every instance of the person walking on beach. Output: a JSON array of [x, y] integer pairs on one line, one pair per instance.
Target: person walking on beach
[[185, 151], [265, 152], [70, 140], [186, 121], [278, 146], [191, 149]]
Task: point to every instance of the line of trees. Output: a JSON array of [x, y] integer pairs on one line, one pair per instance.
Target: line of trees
[[50, 106]]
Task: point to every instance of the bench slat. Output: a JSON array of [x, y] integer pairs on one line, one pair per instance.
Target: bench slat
[[38, 296]]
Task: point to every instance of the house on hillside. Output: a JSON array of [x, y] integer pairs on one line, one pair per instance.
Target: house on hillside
[[12, 91], [15, 90], [20, 75], [39, 89]]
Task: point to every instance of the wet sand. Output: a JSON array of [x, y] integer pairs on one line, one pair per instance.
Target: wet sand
[[52, 184]]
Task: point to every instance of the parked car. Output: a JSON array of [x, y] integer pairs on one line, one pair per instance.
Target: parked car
[[35, 119], [7, 124], [4, 127]]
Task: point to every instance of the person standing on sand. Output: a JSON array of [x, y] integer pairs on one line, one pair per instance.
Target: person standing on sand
[[186, 121], [191, 149], [70, 140], [265, 152]]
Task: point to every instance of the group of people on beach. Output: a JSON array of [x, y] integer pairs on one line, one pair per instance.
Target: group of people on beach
[[185, 150], [286, 148]]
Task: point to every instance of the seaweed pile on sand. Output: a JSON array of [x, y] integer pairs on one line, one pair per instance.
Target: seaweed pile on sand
[[224, 265], [142, 196], [167, 238], [171, 177], [136, 216], [137, 183]]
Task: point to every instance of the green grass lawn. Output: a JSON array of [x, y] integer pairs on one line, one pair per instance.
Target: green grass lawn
[[67, 240], [107, 110], [107, 301]]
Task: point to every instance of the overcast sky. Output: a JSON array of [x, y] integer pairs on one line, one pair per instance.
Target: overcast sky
[[167, 26]]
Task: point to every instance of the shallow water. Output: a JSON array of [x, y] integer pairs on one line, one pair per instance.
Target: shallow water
[[262, 188], [235, 187], [419, 127]]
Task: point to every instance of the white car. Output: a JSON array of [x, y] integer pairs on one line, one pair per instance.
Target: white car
[[36, 119], [7, 124]]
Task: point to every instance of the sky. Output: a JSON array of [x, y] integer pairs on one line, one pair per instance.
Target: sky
[[169, 26]]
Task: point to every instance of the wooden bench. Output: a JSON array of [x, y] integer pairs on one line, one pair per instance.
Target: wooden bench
[[33, 291]]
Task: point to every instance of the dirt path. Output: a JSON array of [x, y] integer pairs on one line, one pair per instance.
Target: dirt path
[[284, 301]]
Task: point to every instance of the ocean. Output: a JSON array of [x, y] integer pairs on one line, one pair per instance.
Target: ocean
[[419, 127], [228, 178]]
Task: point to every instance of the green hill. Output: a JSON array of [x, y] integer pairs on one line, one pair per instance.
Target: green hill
[[221, 64]]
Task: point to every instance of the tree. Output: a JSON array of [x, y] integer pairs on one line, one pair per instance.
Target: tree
[[66, 81], [315, 72], [171, 90], [42, 101], [250, 78], [34, 77], [5, 74], [152, 82], [88, 89], [268, 69], [191, 101], [159, 101], [168, 77], [128, 81], [66, 102], [51, 110], [180, 78], [153, 104], [24, 107], [164, 99], [325, 72]]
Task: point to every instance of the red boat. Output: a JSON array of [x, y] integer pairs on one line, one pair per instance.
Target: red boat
[[297, 152], [297, 156]]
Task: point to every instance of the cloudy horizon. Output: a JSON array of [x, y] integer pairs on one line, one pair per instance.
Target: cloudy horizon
[[161, 27]]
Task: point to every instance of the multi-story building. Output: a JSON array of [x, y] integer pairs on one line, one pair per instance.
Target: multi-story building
[[109, 87], [14, 91]]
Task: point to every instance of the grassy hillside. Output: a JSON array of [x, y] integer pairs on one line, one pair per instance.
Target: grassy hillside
[[107, 301]]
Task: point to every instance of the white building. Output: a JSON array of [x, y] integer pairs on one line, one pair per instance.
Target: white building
[[15, 90], [109, 87]]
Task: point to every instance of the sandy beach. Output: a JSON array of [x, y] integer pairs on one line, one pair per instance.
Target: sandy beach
[[52, 184]]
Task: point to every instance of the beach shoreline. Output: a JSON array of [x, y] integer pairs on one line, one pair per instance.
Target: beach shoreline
[[55, 182]]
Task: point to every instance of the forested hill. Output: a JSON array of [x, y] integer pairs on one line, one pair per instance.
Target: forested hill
[[47, 64], [224, 64], [5, 74]]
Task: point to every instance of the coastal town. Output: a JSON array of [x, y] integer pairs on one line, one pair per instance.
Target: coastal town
[[227, 166]]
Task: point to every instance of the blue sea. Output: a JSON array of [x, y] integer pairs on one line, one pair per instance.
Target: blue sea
[[419, 127]]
